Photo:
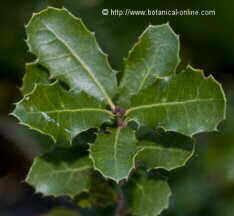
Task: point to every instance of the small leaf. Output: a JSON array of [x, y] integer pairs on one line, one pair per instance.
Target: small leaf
[[167, 150], [34, 74], [155, 55], [149, 196], [187, 103], [113, 154], [62, 172], [60, 114], [70, 52]]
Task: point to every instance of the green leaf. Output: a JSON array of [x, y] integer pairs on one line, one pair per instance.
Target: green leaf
[[70, 52], [155, 55], [167, 150], [34, 74], [62, 172], [187, 103], [113, 154], [101, 194], [149, 196], [61, 212], [60, 114]]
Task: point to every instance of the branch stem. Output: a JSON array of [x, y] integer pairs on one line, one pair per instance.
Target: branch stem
[[121, 205]]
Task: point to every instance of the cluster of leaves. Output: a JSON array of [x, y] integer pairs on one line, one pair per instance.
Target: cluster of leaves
[[141, 123]]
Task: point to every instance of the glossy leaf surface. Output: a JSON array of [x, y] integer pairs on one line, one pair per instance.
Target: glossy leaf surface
[[149, 196], [70, 52], [61, 172], [60, 114], [155, 55], [187, 103], [34, 74], [166, 150], [113, 154]]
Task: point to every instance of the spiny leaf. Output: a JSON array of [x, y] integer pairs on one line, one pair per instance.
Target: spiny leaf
[[34, 74], [149, 196], [113, 154], [156, 54], [187, 103], [62, 115], [70, 52], [150, 90], [62, 172], [167, 150]]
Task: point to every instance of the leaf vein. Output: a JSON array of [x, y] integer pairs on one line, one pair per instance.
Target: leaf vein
[[170, 104], [82, 63]]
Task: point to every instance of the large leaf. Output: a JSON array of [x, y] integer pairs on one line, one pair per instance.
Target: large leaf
[[113, 154], [70, 52], [188, 103], [149, 196], [62, 172], [167, 150], [60, 114], [34, 74], [156, 54]]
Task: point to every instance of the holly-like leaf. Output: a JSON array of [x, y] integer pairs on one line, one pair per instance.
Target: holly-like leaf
[[60, 114], [113, 154], [187, 103], [155, 55], [167, 150], [150, 93], [62, 172], [149, 196], [70, 52], [34, 74]]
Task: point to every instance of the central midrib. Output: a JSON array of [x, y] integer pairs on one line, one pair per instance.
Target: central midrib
[[149, 70], [169, 104], [160, 148], [75, 110], [115, 149], [85, 67], [73, 169]]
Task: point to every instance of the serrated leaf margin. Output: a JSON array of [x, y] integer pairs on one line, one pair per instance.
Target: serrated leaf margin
[[92, 34], [109, 177], [209, 77]]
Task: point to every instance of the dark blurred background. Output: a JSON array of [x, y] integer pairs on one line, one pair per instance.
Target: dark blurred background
[[205, 186]]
